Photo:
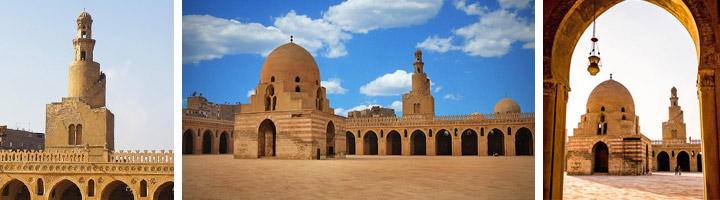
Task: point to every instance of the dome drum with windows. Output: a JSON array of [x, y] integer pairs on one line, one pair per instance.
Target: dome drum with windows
[[610, 110], [289, 80]]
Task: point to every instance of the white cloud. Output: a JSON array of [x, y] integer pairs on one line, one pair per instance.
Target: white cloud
[[438, 88], [495, 32], [452, 96], [472, 9], [393, 84], [251, 92], [361, 16], [314, 34], [340, 111], [332, 86], [433, 43], [492, 35], [397, 105], [207, 37], [519, 4]]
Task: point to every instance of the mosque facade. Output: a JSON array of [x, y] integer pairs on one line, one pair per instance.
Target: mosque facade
[[289, 117], [80, 160], [608, 138], [674, 150]]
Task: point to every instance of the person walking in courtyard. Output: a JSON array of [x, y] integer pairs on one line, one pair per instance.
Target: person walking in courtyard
[[677, 170]]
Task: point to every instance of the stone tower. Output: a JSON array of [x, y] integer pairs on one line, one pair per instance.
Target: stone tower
[[419, 101], [81, 120], [674, 128]]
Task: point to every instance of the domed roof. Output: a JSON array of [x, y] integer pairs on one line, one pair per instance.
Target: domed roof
[[506, 105], [611, 95], [84, 16], [289, 61]]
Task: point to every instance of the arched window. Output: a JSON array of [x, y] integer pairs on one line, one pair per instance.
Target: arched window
[[482, 131], [509, 131], [143, 188], [602, 108], [622, 109], [71, 134], [40, 187], [297, 89], [82, 56], [78, 134], [272, 79], [297, 79], [623, 117], [91, 188]]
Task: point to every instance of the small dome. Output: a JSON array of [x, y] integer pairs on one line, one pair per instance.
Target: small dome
[[506, 105], [418, 51], [611, 95], [288, 62], [84, 16]]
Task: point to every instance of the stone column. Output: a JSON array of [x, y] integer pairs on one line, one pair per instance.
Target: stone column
[[709, 130], [430, 145], [510, 144], [457, 144], [482, 145], [405, 144], [198, 143], [554, 109], [382, 145]]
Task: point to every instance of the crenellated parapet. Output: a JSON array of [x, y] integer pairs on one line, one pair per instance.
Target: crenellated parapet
[[503, 118], [83, 156], [145, 156]]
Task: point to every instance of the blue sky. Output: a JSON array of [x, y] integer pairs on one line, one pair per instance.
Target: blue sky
[[635, 38], [134, 48], [474, 52]]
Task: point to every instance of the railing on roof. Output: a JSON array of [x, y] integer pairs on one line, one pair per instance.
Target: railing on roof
[[145, 156], [82, 156], [420, 120], [43, 156]]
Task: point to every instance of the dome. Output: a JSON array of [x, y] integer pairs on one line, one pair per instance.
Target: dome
[[611, 95], [506, 105], [290, 61], [84, 16]]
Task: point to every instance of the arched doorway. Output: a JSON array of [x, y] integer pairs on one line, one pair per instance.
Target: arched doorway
[[417, 143], [523, 142], [663, 160], [683, 160], [223, 143], [117, 190], [469, 142], [496, 142], [207, 142], [443, 142], [394, 145], [565, 22], [330, 139], [350, 143], [166, 191], [600, 157], [266, 138], [188, 142], [16, 190], [699, 162], [370, 143], [66, 190]]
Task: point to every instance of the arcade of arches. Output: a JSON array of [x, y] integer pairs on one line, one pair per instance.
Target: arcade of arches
[[207, 136], [457, 142], [105, 187], [564, 22]]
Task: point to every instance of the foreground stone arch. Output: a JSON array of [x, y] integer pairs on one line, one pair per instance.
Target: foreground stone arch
[[15, 189], [564, 22]]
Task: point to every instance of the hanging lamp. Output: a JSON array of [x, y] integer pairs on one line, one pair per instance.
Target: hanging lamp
[[594, 58]]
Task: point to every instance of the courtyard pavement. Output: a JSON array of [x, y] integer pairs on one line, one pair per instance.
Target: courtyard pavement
[[359, 177], [658, 185]]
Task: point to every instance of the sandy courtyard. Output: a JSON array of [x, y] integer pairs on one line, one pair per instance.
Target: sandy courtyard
[[359, 177], [659, 185]]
